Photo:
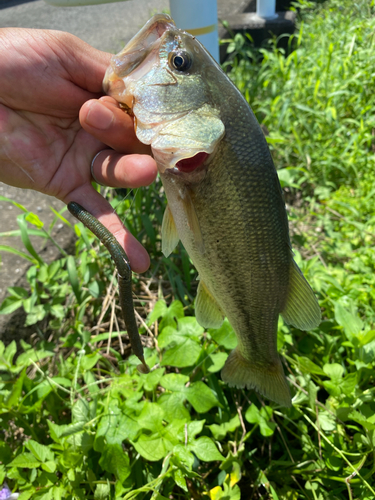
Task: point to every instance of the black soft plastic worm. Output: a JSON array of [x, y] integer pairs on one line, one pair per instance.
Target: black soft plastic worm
[[124, 274]]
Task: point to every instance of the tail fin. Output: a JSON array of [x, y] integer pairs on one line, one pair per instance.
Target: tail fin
[[269, 380]]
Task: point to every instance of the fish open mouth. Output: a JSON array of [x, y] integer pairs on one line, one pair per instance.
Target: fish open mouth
[[188, 165], [136, 51]]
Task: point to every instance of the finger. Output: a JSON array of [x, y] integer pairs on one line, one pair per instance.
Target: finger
[[94, 203], [107, 122], [112, 169]]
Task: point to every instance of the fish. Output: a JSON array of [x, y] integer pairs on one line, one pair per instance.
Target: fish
[[224, 198]]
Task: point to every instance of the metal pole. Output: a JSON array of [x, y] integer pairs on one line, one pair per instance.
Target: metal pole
[[266, 9], [200, 19]]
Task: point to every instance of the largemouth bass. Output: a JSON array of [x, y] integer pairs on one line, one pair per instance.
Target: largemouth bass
[[225, 202]]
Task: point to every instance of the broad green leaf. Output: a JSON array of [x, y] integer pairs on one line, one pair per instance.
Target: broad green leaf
[[91, 383], [312, 390], [349, 320], [26, 358], [102, 492], [173, 406], [262, 417], [224, 335], [231, 493], [305, 365], [235, 475], [14, 396], [157, 445], [25, 460], [191, 429], [184, 456], [49, 466], [81, 412], [349, 383], [10, 304], [40, 451], [115, 460], [116, 425], [174, 312], [216, 361], [362, 420], [87, 442], [367, 338], [189, 327], [153, 448], [9, 352], [179, 478], [216, 493], [26, 494], [169, 336], [174, 382], [186, 353], [334, 371], [152, 379], [327, 421], [59, 431], [159, 311], [71, 460], [332, 387], [151, 417], [89, 360], [201, 397], [220, 431], [252, 415], [58, 492], [205, 449]]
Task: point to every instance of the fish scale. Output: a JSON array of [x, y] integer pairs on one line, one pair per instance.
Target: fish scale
[[227, 207]]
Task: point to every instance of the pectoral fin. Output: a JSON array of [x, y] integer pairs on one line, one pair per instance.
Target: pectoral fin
[[169, 233], [207, 310], [302, 309], [192, 220]]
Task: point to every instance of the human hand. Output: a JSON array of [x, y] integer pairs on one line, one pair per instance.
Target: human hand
[[45, 78]]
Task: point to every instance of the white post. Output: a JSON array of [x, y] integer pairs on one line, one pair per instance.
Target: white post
[[198, 17], [266, 9]]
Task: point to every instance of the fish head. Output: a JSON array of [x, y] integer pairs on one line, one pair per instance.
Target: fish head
[[163, 77]]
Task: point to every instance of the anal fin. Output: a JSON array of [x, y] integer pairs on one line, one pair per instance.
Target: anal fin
[[302, 308], [207, 310], [268, 379], [169, 233]]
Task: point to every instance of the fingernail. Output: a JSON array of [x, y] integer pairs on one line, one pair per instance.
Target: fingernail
[[99, 116]]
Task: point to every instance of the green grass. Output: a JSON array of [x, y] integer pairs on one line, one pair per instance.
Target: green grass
[[316, 101], [80, 422]]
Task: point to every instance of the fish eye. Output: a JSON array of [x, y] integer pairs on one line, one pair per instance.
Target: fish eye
[[181, 61]]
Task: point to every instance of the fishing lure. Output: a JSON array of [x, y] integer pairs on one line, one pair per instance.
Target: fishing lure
[[124, 276]]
